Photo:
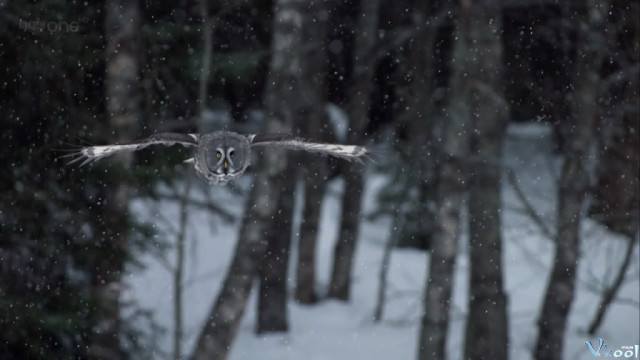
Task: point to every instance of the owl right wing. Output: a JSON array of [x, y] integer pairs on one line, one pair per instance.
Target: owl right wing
[[89, 154], [287, 141]]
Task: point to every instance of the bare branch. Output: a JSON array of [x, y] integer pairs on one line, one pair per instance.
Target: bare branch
[[531, 211], [611, 291]]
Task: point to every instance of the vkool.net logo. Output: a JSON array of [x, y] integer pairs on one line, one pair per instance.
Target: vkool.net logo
[[626, 351]]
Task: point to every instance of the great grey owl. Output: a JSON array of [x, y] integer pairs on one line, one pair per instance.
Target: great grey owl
[[221, 156]]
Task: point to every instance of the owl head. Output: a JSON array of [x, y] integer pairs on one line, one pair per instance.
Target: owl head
[[222, 156]]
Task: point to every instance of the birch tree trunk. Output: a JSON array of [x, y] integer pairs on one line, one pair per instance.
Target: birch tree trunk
[[122, 29], [487, 329], [220, 327], [449, 198], [574, 180], [358, 112]]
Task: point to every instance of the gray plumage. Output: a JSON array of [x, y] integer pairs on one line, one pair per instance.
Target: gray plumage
[[221, 156]]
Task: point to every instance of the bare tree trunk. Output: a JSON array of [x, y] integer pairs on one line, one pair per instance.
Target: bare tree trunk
[[449, 197], [573, 183], [437, 303], [358, 112], [344, 251], [122, 29], [224, 318], [487, 332], [422, 120], [309, 109], [381, 297], [314, 170], [314, 190], [615, 200], [272, 274]]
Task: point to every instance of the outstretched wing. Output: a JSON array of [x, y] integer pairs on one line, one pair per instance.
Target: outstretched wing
[[92, 153], [347, 152]]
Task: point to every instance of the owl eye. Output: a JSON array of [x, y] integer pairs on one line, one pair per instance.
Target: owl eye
[[232, 154], [218, 154]]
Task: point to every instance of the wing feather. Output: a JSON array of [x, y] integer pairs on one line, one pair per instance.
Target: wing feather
[[347, 152], [89, 154]]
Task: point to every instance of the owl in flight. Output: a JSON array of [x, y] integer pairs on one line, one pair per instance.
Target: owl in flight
[[221, 156]]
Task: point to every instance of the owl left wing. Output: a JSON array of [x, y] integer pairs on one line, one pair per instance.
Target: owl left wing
[[287, 141], [89, 154]]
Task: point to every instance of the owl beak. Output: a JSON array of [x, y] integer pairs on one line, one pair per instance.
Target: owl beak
[[226, 165]]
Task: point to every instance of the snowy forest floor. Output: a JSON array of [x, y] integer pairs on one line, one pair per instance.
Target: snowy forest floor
[[336, 330]]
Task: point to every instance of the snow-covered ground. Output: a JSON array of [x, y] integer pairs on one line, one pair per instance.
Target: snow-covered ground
[[336, 330]]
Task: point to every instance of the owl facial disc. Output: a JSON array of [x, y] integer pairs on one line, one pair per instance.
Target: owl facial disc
[[222, 156]]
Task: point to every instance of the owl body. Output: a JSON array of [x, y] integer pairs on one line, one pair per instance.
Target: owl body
[[221, 156]]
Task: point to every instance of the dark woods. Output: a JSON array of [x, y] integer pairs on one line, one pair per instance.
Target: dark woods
[[436, 83]]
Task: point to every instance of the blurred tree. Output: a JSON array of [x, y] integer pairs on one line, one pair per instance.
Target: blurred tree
[[616, 198], [358, 105], [615, 194], [419, 85], [288, 48], [57, 243], [49, 77], [309, 112], [53, 299], [122, 27], [450, 189], [313, 124], [419, 121], [273, 266], [587, 19], [487, 333]]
